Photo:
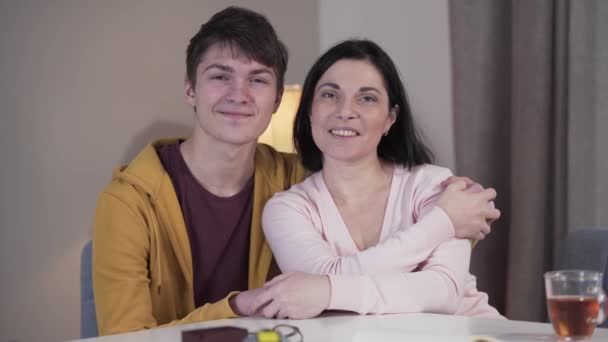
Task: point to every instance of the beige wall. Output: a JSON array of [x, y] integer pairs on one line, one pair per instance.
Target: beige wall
[[415, 33], [84, 85]]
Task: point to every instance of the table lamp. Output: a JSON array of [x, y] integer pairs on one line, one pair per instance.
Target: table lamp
[[280, 130]]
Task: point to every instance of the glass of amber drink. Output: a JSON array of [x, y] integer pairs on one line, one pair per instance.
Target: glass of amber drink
[[575, 302]]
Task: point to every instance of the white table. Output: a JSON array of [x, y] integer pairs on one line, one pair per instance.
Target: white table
[[413, 327]]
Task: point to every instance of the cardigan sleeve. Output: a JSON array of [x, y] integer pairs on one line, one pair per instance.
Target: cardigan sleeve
[[293, 228], [437, 287], [367, 282], [291, 234], [376, 280]]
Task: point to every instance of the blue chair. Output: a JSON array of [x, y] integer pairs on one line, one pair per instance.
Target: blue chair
[[606, 277], [586, 249], [88, 318]]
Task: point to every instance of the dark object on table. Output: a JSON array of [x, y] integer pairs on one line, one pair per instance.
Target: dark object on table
[[226, 333]]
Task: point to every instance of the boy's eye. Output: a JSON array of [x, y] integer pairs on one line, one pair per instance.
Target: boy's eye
[[219, 77], [260, 80]]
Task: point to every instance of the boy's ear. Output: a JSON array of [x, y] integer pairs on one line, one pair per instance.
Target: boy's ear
[[277, 101], [189, 92]]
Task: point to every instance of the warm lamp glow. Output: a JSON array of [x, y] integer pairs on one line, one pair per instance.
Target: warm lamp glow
[[279, 132]]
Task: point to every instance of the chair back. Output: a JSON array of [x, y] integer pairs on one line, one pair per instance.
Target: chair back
[[586, 249], [88, 318]]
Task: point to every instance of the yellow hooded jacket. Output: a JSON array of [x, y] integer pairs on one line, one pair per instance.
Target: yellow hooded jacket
[[142, 265]]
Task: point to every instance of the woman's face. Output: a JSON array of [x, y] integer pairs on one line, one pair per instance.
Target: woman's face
[[350, 111]]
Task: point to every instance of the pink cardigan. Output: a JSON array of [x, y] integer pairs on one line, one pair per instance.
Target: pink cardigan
[[418, 265]]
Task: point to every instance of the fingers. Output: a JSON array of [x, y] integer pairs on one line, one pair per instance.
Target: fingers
[[447, 181], [485, 229], [457, 186], [474, 188], [487, 195], [492, 214], [277, 279], [264, 298], [270, 310], [495, 215], [454, 179], [282, 314]]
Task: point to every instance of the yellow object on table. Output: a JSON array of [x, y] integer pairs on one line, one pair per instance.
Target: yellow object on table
[[268, 336]]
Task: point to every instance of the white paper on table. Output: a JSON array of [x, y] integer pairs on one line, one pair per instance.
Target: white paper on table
[[394, 336]]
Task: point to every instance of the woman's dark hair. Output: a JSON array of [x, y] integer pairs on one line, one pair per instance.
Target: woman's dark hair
[[402, 145], [245, 30]]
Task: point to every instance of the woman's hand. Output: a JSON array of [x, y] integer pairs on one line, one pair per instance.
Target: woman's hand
[[244, 303], [471, 187], [469, 207], [294, 295]]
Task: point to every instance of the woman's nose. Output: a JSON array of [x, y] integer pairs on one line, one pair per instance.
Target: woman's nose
[[347, 111]]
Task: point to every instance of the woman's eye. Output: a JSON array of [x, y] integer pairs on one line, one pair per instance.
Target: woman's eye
[[368, 99], [328, 95]]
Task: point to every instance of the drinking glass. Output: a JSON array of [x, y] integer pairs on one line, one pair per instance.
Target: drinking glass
[[575, 302]]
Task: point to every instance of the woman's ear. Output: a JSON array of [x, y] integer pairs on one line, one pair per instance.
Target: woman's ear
[[392, 116], [395, 111]]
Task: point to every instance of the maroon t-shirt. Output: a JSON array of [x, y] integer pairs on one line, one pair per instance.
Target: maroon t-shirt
[[218, 229]]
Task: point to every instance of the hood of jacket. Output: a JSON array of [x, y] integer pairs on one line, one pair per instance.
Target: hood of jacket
[[273, 172]]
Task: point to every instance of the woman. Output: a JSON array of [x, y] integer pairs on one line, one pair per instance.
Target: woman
[[372, 222]]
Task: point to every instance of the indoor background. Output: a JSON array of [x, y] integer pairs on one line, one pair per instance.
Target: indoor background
[[86, 84]]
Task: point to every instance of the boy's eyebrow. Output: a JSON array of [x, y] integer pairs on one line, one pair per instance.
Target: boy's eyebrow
[[261, 71], [228, 68], [219, 66]]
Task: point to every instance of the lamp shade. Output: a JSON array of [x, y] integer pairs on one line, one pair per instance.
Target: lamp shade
[[280, 130]]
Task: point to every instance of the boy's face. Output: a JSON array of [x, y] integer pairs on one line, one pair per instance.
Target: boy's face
[[234, 96]]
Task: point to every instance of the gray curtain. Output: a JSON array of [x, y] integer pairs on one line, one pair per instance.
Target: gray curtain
[[513, 65]]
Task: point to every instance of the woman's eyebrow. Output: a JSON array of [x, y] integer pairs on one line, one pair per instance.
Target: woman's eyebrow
[[364, 89], [329, 84]]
